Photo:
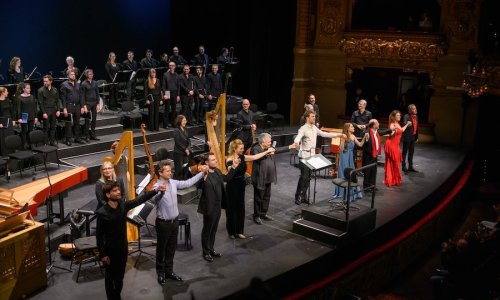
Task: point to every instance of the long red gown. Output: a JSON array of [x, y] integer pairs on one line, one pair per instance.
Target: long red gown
[[393, 159]]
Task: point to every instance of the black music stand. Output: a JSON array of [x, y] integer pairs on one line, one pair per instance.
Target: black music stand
[[50, 216], [143, 73], [315, 163]]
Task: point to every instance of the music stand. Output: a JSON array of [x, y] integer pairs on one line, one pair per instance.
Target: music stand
[[50, 216], [315, 163]]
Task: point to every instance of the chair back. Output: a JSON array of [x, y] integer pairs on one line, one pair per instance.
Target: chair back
[[37, 137], [13, 142], [128, 106], [254, 107], [161, 154], [271, 106], [347, 172]]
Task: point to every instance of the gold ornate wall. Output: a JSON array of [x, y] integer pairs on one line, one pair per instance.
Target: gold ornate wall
[[327, 51]]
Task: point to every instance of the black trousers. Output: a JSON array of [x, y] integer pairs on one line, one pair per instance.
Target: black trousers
[[261, 199], [166, 233], [210, 224], [26, 128], [154, 115], [179, 160], [91, 122], [199, 109], [369, 174], [304, 181], [186, 107], [49, 126], [73, 129], [408, 149], [173, 108], [235, 206], [113, 275]]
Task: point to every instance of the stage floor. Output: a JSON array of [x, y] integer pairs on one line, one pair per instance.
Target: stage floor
[[270, 249]]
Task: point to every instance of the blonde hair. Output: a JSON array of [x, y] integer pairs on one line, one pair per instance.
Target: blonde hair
[[233, 146], [113, 174], [13, 62]]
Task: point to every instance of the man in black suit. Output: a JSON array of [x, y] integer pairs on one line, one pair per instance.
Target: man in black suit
[[186, 91], [371, 149], [247, 124], [409, 138], [212, 197], [112, 234]]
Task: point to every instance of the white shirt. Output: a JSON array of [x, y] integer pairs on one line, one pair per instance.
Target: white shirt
[[307, 138]]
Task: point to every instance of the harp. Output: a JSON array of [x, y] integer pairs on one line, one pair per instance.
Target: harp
[[126, 142], [216, 131]]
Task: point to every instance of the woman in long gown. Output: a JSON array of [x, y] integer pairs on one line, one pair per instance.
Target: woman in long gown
[[393, 157], [346, 160], [235, 188]]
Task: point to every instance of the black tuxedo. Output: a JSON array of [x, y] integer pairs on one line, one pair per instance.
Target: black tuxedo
[[212, 199], [370, 173], [409, 140], [186, 84]]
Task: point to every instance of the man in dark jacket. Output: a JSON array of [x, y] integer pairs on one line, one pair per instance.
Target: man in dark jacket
[[371, 149], [409, 138], [112, 234], [212, 197]]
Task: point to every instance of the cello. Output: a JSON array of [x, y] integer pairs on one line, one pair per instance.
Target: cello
[[152, 173]]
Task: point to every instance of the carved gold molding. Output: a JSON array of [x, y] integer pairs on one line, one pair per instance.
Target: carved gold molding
[[393, 47]]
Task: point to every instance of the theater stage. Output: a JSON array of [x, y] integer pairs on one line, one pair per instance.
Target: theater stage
[[271, 249]]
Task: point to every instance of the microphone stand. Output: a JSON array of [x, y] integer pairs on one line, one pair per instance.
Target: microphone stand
[[48, 204]]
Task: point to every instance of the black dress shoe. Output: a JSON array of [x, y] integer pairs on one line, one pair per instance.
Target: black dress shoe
[[215, 254], [413, 170], [267, 218], [297, 200], [161, 280], [94, 138], [68, 142], [208, 258], [173, 276], [257, 220], [79, 141]]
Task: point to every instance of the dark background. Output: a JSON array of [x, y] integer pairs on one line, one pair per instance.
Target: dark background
[[44, 33]]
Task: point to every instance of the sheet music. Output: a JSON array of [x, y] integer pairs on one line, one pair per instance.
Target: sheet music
[[317, 163], [135, 211], [143, 184], [167, 93]]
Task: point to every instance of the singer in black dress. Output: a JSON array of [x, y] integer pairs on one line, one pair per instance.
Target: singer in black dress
[[26, 104], [153, 96], [235, 188]]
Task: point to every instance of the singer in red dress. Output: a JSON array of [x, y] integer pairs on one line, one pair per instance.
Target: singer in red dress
[[393, 157]]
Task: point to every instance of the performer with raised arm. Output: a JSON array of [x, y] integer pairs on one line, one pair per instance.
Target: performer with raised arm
[[166, 224], [235, 187], [371, 149], [212, 196], [306, 138], [393, 157], [112, 234]]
